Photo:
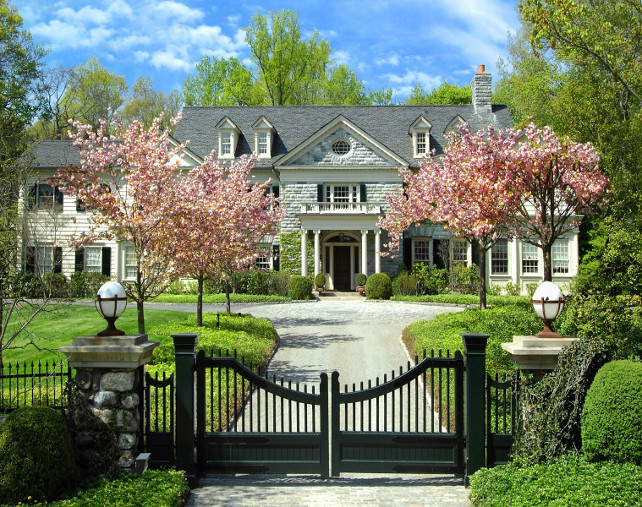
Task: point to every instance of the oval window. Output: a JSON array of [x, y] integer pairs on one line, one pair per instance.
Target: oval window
[[340, 147]]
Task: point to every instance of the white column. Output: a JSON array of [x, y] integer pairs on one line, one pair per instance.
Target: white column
[[317, 252], [378, 251], [364, 252], [304, 252]]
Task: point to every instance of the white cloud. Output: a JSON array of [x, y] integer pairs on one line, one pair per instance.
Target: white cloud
[[177, 12], [412, 77], [393, 59], [168, 59], [341, 57], [234, 20]]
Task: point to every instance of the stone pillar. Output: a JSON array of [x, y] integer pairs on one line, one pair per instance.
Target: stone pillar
[[317, 252], [304, 252], [108, 386], [364, 252], [378, 251]]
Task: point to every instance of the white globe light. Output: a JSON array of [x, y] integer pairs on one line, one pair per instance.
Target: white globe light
[[548, 302], [112, 299]]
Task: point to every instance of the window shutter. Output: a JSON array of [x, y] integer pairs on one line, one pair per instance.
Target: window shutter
[[106, 261], [476, 256], [80, 260], [275, 190], [57, 259], [364, 196], [320, 192], [31, 198], [30, 259], [276, 261], [407, 253], [58, 196]]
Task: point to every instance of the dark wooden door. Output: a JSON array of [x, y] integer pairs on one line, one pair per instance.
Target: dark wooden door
[[342, 268]]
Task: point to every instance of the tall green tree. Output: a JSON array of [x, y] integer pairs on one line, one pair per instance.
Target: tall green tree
[[446, 93], [343, 87], [220, 82], [146, 104], [288, 67]]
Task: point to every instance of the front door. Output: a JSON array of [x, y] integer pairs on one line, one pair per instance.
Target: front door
[[341, 275]]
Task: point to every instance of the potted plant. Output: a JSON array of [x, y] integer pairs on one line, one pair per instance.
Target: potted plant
[[361, 283], [319, 281]]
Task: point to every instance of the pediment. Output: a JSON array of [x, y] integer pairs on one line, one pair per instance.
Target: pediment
[[453, 125], [263, 124], [185, 159], [364, 150], [420, 123], [227, 124]]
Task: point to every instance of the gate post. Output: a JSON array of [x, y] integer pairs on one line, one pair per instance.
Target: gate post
[[475, 401], [185, 352]]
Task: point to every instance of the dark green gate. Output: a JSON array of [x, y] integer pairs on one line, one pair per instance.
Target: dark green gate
[[412, 423], [247, 423]]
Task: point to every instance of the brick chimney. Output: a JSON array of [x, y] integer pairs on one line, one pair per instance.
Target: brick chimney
[[481, 87]]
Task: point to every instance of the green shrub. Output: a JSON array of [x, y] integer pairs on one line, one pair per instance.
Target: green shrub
[[405, 284], [36, 456], [300, 287], [55, 284], [28, 285], [568, 481], [279, 283], [550, 410], [612, 414], [512, 289], [493, 289], [464, 279], [319, 280], [616, 320], [379, 286], [431, 280], [85, 284], [361, 279]]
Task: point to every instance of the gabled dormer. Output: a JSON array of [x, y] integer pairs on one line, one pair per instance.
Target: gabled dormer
[[228, 138], [452, 129], [263, 137], [420, 132]]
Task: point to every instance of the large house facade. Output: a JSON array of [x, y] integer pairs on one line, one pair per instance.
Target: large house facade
[[332, 167]]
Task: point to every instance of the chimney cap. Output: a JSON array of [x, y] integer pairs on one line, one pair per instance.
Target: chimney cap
[[481, 69]]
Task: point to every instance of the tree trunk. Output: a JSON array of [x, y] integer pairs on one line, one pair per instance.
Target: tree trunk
[[141, 316], [228, 302], [199, 303], [482, 277], [548, 262]]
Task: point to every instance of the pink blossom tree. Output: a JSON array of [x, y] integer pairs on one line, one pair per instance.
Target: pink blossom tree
[[127, 177], [221, 220], [466, 190], [558, 182]]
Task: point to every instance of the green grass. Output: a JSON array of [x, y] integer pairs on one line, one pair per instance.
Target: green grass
[[61, 323], [466, 299], [220, 298], [567, 481]]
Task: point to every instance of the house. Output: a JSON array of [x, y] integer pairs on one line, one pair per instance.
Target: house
[[332, 167]]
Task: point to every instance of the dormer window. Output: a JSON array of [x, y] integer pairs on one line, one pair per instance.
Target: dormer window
[[263, 135], [420, 132], [228, 138], [452, 132]]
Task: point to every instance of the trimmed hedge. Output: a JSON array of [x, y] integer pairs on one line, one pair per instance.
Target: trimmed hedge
[[36, 456], [379, 286], [612, 414], [300, 287]]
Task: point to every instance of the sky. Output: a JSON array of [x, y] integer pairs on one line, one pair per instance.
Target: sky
[[388, 43]]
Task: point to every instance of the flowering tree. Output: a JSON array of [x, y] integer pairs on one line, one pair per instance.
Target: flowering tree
[[558, 182], [128, 179], [466, 190], [221, 219]]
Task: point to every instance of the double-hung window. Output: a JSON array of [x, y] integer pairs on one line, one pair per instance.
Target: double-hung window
[[499, 257], [560, 257], [530, 258], [94, 259], [226, 143], [42, 259], [421, 251], [130, 263], [43, 195], [342, 193], [460, 252]]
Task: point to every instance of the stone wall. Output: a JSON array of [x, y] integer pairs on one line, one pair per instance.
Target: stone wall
[[360, 154]]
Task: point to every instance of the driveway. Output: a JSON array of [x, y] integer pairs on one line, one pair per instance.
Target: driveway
[[360, 339]]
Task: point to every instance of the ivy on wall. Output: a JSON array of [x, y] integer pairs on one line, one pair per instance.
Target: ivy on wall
[[290, 253]]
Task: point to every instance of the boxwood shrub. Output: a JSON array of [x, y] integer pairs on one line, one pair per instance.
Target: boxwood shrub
[[300, 287], [612, 414], [379, 286], [36, 456]]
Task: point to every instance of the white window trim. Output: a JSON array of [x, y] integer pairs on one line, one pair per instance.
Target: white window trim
[[257, 135], [567, 243], [461, 241], [125, 265], [427, 239], [354, 192], [539, 260], [421, 125], [508, 259], [233, 141], [98, 268]]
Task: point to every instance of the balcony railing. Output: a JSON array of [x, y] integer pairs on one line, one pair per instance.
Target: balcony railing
[[341, 208]]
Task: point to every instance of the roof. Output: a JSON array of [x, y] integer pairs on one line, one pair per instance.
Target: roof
[[295, 124], [54, 154]]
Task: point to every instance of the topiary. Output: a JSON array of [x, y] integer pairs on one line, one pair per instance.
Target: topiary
[[361, 279], [319, 280], [300, 287], [612, 414], [379, 286], [36, 456]]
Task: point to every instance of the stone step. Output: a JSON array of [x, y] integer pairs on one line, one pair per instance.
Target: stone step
[[340, 296]]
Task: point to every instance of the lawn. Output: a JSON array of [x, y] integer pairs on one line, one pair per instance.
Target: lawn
[[61, 323]]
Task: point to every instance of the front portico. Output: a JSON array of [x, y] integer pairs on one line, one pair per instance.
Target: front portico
[[344, 246]]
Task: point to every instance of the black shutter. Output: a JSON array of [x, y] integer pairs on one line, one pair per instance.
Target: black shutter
[[276, 261], [57, 259], [58, 196], [364, 195], [31, 198], [275, 190], [80, 260], [320, 192], [106, 261], [30, 259], [407, 253]]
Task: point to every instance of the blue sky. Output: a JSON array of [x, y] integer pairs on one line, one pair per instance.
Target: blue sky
[[388, 43]]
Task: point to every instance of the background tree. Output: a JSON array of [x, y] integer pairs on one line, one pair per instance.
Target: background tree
[[146, 104], [220, 82], [465, 190], [20, 67], [54, 118], [343, 87], [128, 177], [220, 221], [444, 94]]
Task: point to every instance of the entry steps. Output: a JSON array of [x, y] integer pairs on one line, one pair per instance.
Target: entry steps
[[333, 295]]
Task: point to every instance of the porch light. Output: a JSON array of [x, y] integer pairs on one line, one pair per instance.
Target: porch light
[[548, 302], [110, 303]]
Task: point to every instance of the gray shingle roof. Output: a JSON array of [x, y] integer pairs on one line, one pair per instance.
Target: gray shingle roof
[[389, 125], [54, 154]]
